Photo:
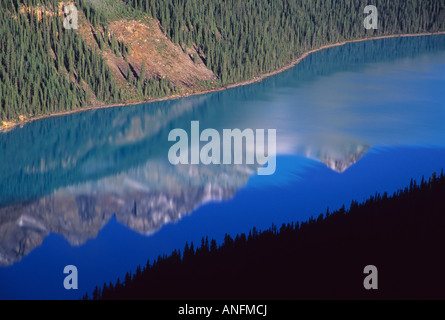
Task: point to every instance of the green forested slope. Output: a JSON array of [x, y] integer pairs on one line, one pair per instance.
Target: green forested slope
[[46, 69], [43, 68], [244, 38]]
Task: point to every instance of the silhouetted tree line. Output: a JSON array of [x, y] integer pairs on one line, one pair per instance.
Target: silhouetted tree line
[[324, 257]]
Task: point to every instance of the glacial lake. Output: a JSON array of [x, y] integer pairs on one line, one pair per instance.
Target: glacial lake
[[96, 190]]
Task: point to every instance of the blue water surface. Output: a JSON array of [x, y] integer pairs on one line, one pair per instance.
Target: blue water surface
[[351, 121]]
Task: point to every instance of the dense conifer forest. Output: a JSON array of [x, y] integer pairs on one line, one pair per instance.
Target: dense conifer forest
[[242, 39], [43, 68], [46, 69], [401, 234]]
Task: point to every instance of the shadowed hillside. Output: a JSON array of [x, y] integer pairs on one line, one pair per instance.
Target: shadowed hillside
[[402, 235]]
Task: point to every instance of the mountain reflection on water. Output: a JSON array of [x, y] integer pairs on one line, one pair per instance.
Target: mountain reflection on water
[[70, 174]]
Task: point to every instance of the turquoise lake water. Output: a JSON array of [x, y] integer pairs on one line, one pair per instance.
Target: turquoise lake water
[[96, 190]]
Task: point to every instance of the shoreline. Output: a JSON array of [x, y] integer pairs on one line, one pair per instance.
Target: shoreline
[[12, 125]]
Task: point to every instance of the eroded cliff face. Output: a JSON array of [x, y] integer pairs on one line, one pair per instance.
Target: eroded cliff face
[[151, 52]]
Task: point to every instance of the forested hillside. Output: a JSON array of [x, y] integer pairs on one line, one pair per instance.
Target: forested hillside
[[46, 69], [241, 39]]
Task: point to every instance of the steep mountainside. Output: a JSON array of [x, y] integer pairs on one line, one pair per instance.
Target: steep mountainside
[[151, 55], [141, 50]]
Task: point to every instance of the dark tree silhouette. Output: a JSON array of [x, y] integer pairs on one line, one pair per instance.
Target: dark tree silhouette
[[402, 235]]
